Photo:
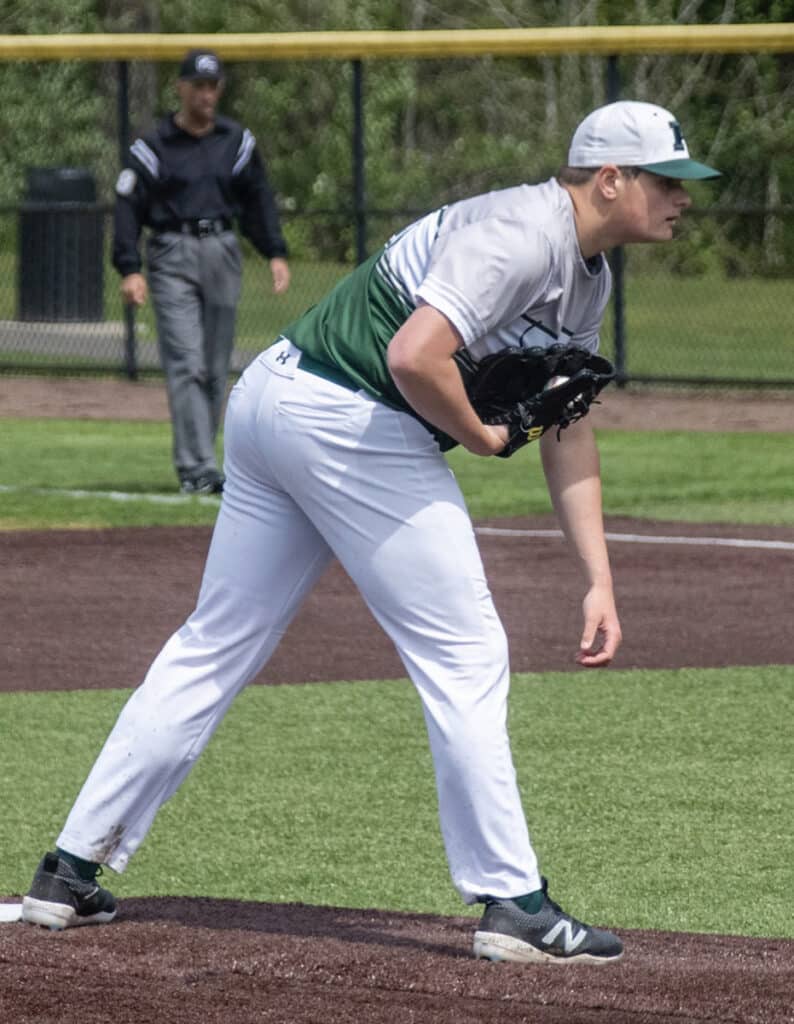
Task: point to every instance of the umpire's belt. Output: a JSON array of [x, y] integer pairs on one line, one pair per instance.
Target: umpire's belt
[[202, 227], [332, 373]]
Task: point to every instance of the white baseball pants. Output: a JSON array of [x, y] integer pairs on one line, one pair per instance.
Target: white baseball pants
[[315, 470]]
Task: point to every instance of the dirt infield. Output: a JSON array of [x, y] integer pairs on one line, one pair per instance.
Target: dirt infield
[[111, 599], [212, 962], [89, 609]]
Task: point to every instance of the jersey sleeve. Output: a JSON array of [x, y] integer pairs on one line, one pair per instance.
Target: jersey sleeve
[[487, 273], [258, 213], [134, 187]]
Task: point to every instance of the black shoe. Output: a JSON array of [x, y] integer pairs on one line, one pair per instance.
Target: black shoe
[[59, 898], [507, 932], [210, 482]]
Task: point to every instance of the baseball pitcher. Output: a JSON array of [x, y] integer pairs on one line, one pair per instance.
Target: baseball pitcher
[[477, 325]]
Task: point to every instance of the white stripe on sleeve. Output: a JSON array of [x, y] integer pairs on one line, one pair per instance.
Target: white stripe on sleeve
[[147, 157], [244, 152]]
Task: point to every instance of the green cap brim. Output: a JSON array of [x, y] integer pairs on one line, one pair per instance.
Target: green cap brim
[[686, 170]]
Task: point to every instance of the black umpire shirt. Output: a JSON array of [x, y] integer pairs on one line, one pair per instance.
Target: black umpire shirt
[[174, 179]]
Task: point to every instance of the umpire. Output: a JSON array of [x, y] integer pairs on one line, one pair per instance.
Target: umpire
[[187, 180]]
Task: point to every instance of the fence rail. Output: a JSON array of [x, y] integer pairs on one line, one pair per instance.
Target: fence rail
[[775, 37]]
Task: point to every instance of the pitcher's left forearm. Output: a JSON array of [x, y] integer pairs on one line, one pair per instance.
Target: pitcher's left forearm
[[573, 475]]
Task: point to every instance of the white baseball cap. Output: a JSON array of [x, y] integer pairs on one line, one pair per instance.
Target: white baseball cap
[[633, 134]]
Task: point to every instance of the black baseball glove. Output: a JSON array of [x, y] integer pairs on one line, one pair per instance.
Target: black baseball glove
[[533, 389]]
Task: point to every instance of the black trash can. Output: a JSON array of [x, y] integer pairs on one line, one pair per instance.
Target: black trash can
[[60, 271]]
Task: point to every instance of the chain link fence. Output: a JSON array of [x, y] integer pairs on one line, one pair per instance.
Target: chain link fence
[[356, 149]]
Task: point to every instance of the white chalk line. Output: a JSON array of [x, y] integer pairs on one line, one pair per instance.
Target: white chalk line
[[647, 538], [492, 531], [151, 499]]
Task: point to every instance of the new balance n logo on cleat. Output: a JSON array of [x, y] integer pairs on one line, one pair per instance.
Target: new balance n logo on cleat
[[570, 940], [507, 932]]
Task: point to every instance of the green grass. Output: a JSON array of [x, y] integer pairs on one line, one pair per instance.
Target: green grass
[[91, 456], [261, 314], [708, 477], [700, 477], [686, 476], [707, 326], [656, 799]]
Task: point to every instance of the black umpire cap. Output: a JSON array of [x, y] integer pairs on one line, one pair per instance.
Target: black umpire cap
[[201, 64]]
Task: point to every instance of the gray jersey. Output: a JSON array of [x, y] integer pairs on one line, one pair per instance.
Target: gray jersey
[[504, 268]]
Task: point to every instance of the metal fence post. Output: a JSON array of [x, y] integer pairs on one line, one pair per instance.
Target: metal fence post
[[130, 355], [359, 177], [619, 290]]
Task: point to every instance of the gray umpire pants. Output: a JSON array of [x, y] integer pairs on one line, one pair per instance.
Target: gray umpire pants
[[195, 288]]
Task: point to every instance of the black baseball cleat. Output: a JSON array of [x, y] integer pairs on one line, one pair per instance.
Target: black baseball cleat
[[507, 932], [59, 898], [210, 482]]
